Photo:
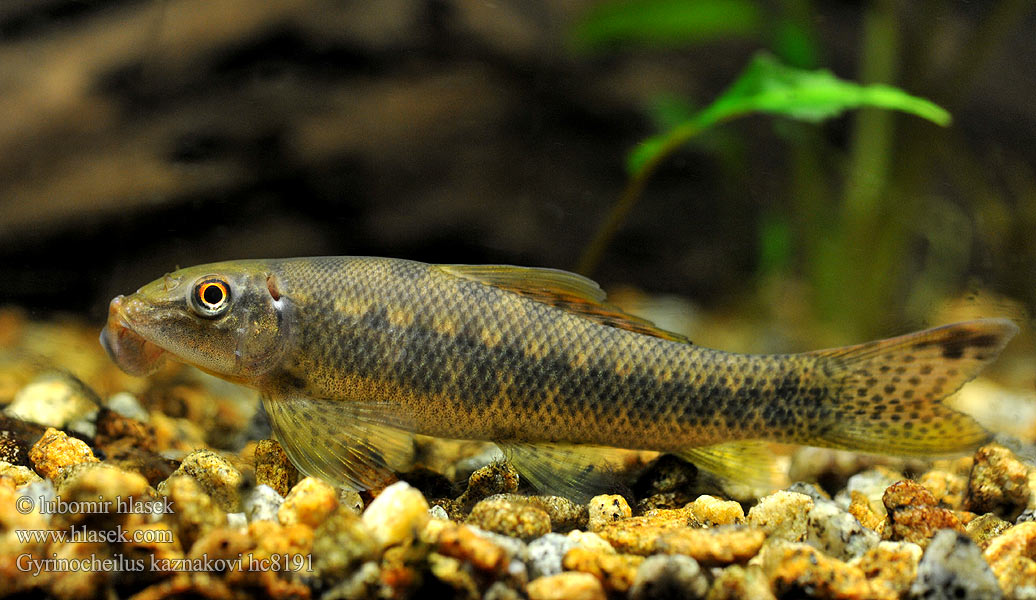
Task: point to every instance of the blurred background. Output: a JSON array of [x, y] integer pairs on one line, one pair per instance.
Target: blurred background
[[138, 135]]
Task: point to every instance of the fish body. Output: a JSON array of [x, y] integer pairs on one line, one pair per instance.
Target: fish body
[[352, 353]]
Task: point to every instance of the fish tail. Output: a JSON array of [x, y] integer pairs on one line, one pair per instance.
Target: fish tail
[[886, 396]]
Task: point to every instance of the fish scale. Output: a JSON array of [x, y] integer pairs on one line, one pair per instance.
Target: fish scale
[[535, 360]]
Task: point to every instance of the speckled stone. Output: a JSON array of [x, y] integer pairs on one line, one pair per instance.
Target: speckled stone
[[616, 571], [309, 502], [262, 504], [711, 511], [999, 483], [566, 586], [117, 490], [56, 450], [984, 528], [711, 547], [511, 516], [451, 572], [397, 514], [220, 480], [1012, 556], [545, 554], [793, 566], [565, 515], [890, 566], [55, 400], [273, 468], [605, 509], [662, 577], [782, 515], [949, 489], [860, 507], [340, 543], [495, 478], [17, 474], [194, 512], [464, 543], [738, 582], [953, 567], [913, 516], [838, 533]]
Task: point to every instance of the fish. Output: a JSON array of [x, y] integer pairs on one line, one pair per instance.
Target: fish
[[352, 356]]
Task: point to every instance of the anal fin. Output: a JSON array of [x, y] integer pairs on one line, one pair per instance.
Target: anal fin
[[575, 471], [352, 444]]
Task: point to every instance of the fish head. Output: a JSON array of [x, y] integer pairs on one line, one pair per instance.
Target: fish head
[[229, 319]]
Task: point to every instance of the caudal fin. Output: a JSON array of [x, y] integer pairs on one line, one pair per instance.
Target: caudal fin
[[886, 395]]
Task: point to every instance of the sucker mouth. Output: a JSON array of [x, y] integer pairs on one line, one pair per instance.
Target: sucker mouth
[[128, 349]]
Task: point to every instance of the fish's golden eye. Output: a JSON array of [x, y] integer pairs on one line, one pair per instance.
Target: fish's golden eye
[[211, 297]]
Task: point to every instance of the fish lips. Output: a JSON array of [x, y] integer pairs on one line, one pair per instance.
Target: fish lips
[[129, 350]]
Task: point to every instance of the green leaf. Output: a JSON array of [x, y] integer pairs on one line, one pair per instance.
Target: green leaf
[[667, 23], [767, 86]]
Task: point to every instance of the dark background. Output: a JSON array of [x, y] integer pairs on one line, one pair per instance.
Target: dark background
[[141, 135]]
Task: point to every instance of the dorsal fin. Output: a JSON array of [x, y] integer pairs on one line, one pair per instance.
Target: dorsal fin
[[567, 291]]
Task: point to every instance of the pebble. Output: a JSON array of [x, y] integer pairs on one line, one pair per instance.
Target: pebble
[[451, 572], [860, 507], [340, 543], [127, 405], [607, 508], [948, 488], [494, 478], [236, 520], [56, 450], [913, 514], [837, 533], [999, 483], [55, 400], [661, 577], [589, 539], [872, 484], [545, 554], [17, 474], [793, 566], [782, 515], [711, 547], [40, 491], [309, 503], [890, 566], [616, 571], [273, 468], [194, 512], [363, 583], [397, 514], [712, 512], [952, 568], [466, 543], [262, 504], [984, 528], [510, 515], [220, 480], [738, 582], [566, 586], [438, 512]]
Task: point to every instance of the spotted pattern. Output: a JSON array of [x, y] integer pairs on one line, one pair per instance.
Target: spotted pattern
[[466, 360]]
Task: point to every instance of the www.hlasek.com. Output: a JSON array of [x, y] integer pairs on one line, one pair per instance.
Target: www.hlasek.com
[[204, 563]]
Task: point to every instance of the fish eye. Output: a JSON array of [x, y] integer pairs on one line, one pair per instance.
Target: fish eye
[[211, 297]]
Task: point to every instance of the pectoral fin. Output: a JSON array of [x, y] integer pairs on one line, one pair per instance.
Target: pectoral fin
[[352, 444], [575, 471]]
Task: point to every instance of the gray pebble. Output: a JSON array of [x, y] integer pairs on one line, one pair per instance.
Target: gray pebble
[[872, 483], [838, 533], [669, 576], [546, 553], [56, 400], [127, 405], [262, 504], [438, 512], [237, 519], [953, 568]]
